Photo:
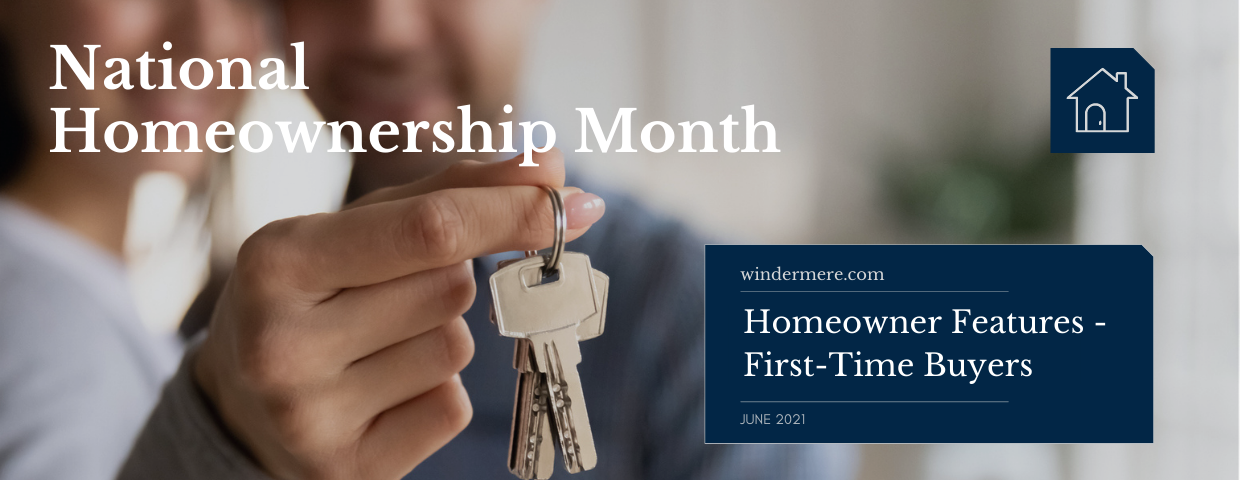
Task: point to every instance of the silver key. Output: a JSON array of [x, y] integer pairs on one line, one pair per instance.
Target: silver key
[[531, 449], [548, 314], [548, 318], [592, 326], [523, 308], [530, 445], [557, 354]]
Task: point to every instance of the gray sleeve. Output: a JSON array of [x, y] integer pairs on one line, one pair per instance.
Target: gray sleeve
[[185, 439]]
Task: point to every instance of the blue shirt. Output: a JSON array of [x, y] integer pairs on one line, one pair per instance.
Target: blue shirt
[[642, 379]]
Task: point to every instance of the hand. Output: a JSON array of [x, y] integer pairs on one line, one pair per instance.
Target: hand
[[336, 345]]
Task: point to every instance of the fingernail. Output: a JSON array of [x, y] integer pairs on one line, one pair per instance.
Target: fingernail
[[583, 209]]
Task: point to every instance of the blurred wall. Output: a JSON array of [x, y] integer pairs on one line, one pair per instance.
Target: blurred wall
[[843, 81], [847, 81], [1181, 203]]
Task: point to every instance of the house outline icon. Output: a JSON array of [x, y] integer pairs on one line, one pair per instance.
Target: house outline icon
[[1085, 115]]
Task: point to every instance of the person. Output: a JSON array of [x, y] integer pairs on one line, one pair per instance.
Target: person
[[325, 396], [381, 285], [401, 60], [79, 372], [337, 345]]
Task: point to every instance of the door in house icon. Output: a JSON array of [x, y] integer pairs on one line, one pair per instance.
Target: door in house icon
[[1095, 117]]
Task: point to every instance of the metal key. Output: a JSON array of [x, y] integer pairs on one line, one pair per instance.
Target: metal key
[[593, 326], [531, 450], [548, 317], [557, 354], [590, 327], [523, 305], [530, 445], [548, 314]]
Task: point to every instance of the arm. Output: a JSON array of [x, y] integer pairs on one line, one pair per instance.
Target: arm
[[184, 438], [335, 346]]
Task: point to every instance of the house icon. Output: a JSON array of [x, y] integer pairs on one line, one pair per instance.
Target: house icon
[[1100, 95]]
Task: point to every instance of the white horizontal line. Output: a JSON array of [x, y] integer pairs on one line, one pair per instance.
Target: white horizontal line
[[874, 291], [1100, 324], [874, 401], [820, 367]]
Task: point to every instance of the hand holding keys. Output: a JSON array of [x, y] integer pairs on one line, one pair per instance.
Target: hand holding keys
[[335, 350], [548, 316]]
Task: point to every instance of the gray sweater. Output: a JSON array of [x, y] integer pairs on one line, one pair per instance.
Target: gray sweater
[[79, 373]]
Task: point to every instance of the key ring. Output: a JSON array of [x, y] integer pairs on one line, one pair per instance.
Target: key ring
[[561, 225]]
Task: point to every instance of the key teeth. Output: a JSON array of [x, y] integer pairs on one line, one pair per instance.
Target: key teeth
[[531, 451], [561, 401], [552, 407]]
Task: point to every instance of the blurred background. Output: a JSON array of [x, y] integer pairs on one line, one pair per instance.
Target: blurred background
[[899, 122]]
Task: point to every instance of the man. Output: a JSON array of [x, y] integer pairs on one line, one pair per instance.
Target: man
[[403, 60], [335, 346]]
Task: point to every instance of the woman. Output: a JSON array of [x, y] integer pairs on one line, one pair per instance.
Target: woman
[[78, 371]]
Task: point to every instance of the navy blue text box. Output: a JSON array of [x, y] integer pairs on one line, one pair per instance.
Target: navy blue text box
[[1085, 376]]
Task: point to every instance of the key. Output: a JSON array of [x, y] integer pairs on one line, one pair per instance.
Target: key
[[531, 449], [530, 446], [592, 326], [557, 354], [548, 314]]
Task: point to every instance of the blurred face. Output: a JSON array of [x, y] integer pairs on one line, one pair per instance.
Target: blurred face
[[410, 60], [207, 29]]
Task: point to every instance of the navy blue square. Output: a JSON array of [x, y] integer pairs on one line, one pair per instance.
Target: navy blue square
[[1102, 101]]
